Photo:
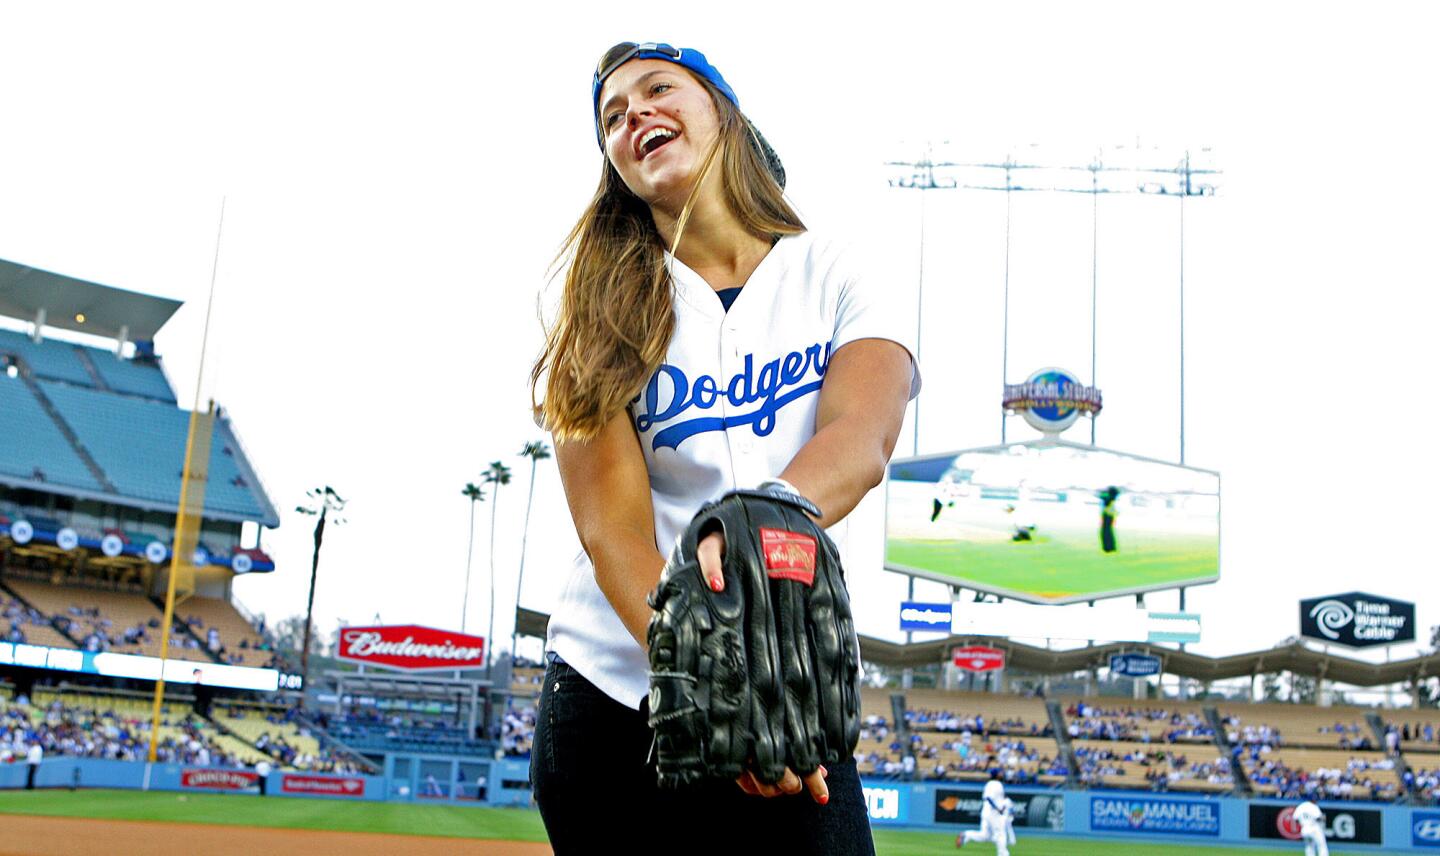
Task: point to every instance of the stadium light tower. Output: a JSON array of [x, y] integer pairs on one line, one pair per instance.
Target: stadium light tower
[[1182, 180], [324, 500], [922, 177], [1182, 186]]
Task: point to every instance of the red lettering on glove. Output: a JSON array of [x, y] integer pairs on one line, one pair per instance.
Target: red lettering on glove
[[788, 555]]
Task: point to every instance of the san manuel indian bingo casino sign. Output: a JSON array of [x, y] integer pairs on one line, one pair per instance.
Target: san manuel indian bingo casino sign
[[1051, 400]]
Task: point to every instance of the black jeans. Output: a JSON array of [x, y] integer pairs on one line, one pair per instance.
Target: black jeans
[[588, 768]]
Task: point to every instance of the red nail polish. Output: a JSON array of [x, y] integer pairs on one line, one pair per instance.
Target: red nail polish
[[716, 584], [824, 799]]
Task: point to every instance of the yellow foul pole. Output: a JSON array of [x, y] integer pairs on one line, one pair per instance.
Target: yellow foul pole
[[187, 532], [192, 502]]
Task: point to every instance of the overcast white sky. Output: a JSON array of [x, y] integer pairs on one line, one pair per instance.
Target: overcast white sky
[[399, 176]]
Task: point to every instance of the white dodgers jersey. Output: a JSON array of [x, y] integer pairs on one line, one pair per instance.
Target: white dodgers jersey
[[734, 402]]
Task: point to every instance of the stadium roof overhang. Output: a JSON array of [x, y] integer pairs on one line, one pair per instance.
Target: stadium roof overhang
[[1290, 657], [268, 517], [436, 687], [528, 622], [29, 294]]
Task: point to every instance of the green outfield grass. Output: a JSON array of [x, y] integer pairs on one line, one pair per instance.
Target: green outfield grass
[[1057, 567], [464, 822], [281, 812]]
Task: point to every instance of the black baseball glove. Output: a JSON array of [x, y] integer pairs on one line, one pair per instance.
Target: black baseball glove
[[766, 673]]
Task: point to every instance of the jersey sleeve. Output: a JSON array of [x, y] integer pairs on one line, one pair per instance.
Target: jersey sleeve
[[868, 309]]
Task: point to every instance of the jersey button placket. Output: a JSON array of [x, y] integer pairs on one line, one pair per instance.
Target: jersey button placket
[[730, 366]]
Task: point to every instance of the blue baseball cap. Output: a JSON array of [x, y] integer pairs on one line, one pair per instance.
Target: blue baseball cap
[[696, 62], [684, 57]]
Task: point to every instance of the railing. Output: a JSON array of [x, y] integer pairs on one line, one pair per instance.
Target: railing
[[64, 428], [246, 464], [1220, 735], [1062, 740]]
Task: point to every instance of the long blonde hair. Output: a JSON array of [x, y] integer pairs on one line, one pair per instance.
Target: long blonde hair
[[616, 314]]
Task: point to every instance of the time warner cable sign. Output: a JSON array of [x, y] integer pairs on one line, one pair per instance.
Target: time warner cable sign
[[1132, 814], [1357, 620]]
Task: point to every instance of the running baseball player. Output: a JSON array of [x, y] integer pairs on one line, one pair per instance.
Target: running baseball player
[[994, 818]]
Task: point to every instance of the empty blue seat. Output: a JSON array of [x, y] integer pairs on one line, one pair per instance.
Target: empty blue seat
[[30, 441]]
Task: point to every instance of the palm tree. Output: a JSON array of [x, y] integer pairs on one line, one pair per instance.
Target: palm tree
[[497, 475], [536, 452], [475, 494]]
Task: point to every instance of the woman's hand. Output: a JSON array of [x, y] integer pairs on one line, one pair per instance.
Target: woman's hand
[[711, 552], [788, 784]]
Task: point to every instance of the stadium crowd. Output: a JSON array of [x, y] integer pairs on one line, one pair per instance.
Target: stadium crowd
[[16, 616], [86, 732]]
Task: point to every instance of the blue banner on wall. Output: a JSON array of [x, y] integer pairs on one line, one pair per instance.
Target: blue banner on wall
[[1132, 814], [886, 804], [934, 617], [1134, 665], [1425, 829]]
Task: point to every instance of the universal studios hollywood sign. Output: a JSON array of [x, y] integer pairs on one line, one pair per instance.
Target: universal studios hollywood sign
[[1357, 620]]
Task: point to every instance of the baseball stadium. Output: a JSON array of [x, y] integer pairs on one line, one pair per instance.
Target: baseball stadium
[[1036, 643], [92, 472]]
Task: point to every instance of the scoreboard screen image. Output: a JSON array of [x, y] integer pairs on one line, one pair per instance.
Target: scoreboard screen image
[[1052, 522]]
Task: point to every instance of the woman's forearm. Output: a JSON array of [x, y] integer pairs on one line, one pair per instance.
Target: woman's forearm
[[862, 405], [627, 569], [837, 467]]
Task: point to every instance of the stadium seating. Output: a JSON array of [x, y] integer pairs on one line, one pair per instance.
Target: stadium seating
[[50, 358], [59, 360], [129, 376], [525, 682], [266, 729], [209, 613], [1166, 744], [88, 609], [34, 627], [45, 450], [140, 445], [1013, 734], [107, 726], [1420, 729]]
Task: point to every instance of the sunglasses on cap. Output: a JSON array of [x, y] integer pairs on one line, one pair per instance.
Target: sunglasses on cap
[[604, 69]]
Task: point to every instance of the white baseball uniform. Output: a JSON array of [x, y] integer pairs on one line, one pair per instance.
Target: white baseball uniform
[[1312, 828], [994, 819], [734, 401]]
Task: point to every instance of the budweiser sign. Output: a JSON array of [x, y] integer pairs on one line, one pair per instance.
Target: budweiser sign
[[219, 780], [349, 786], [979, 658], [411, 647]]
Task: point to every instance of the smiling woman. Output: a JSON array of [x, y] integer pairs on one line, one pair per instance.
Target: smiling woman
[[705, 342]]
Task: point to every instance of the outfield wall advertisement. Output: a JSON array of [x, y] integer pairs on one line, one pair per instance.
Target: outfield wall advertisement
[[1425, 829], [1342, 825], [1125, 818], [1139, 814], [1052, 522], [962, 806]]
